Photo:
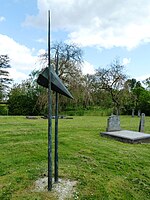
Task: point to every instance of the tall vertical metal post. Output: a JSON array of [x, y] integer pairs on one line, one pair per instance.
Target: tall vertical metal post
[[56, 126], [49, 113]]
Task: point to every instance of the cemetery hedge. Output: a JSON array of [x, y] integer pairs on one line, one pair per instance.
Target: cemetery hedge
[[103, 168]]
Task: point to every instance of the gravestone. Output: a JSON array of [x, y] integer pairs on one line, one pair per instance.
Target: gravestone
[[31, 117], [113, 123], [114, 131], [128, 136], [139, 113], [142, 121], [132, 112]]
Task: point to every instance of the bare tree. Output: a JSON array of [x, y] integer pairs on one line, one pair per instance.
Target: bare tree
[[69, 57], [112, 79], [70, 60]]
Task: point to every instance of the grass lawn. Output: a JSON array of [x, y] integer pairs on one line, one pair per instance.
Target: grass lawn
[[104, 169]]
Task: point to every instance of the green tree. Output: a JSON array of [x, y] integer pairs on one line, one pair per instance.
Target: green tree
[[147, 83], [131, 99], [137, 97], [144, 101], [23, 97], [5, 81]]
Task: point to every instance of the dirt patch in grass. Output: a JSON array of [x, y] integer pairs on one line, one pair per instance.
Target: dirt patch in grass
[[64, 189]]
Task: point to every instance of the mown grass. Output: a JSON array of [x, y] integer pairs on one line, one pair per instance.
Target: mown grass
[[103, 168]]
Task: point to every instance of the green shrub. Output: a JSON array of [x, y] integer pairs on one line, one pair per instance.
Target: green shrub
[[3, 110]]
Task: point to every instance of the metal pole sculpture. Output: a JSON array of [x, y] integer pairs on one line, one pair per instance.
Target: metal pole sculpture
[[56, 126], [48, 78], [49, 113]]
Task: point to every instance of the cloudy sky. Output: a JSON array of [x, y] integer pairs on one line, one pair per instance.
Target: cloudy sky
[[104, 29]]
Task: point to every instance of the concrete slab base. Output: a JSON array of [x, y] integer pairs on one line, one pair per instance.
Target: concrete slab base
[[128, 136]]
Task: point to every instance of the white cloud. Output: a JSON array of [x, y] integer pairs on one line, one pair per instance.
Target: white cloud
[[41, 52], [16, 75], [106, 23], [87, 68], [142, 77], [41, 40], [2, 19], [21, 57], [126, 61]]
